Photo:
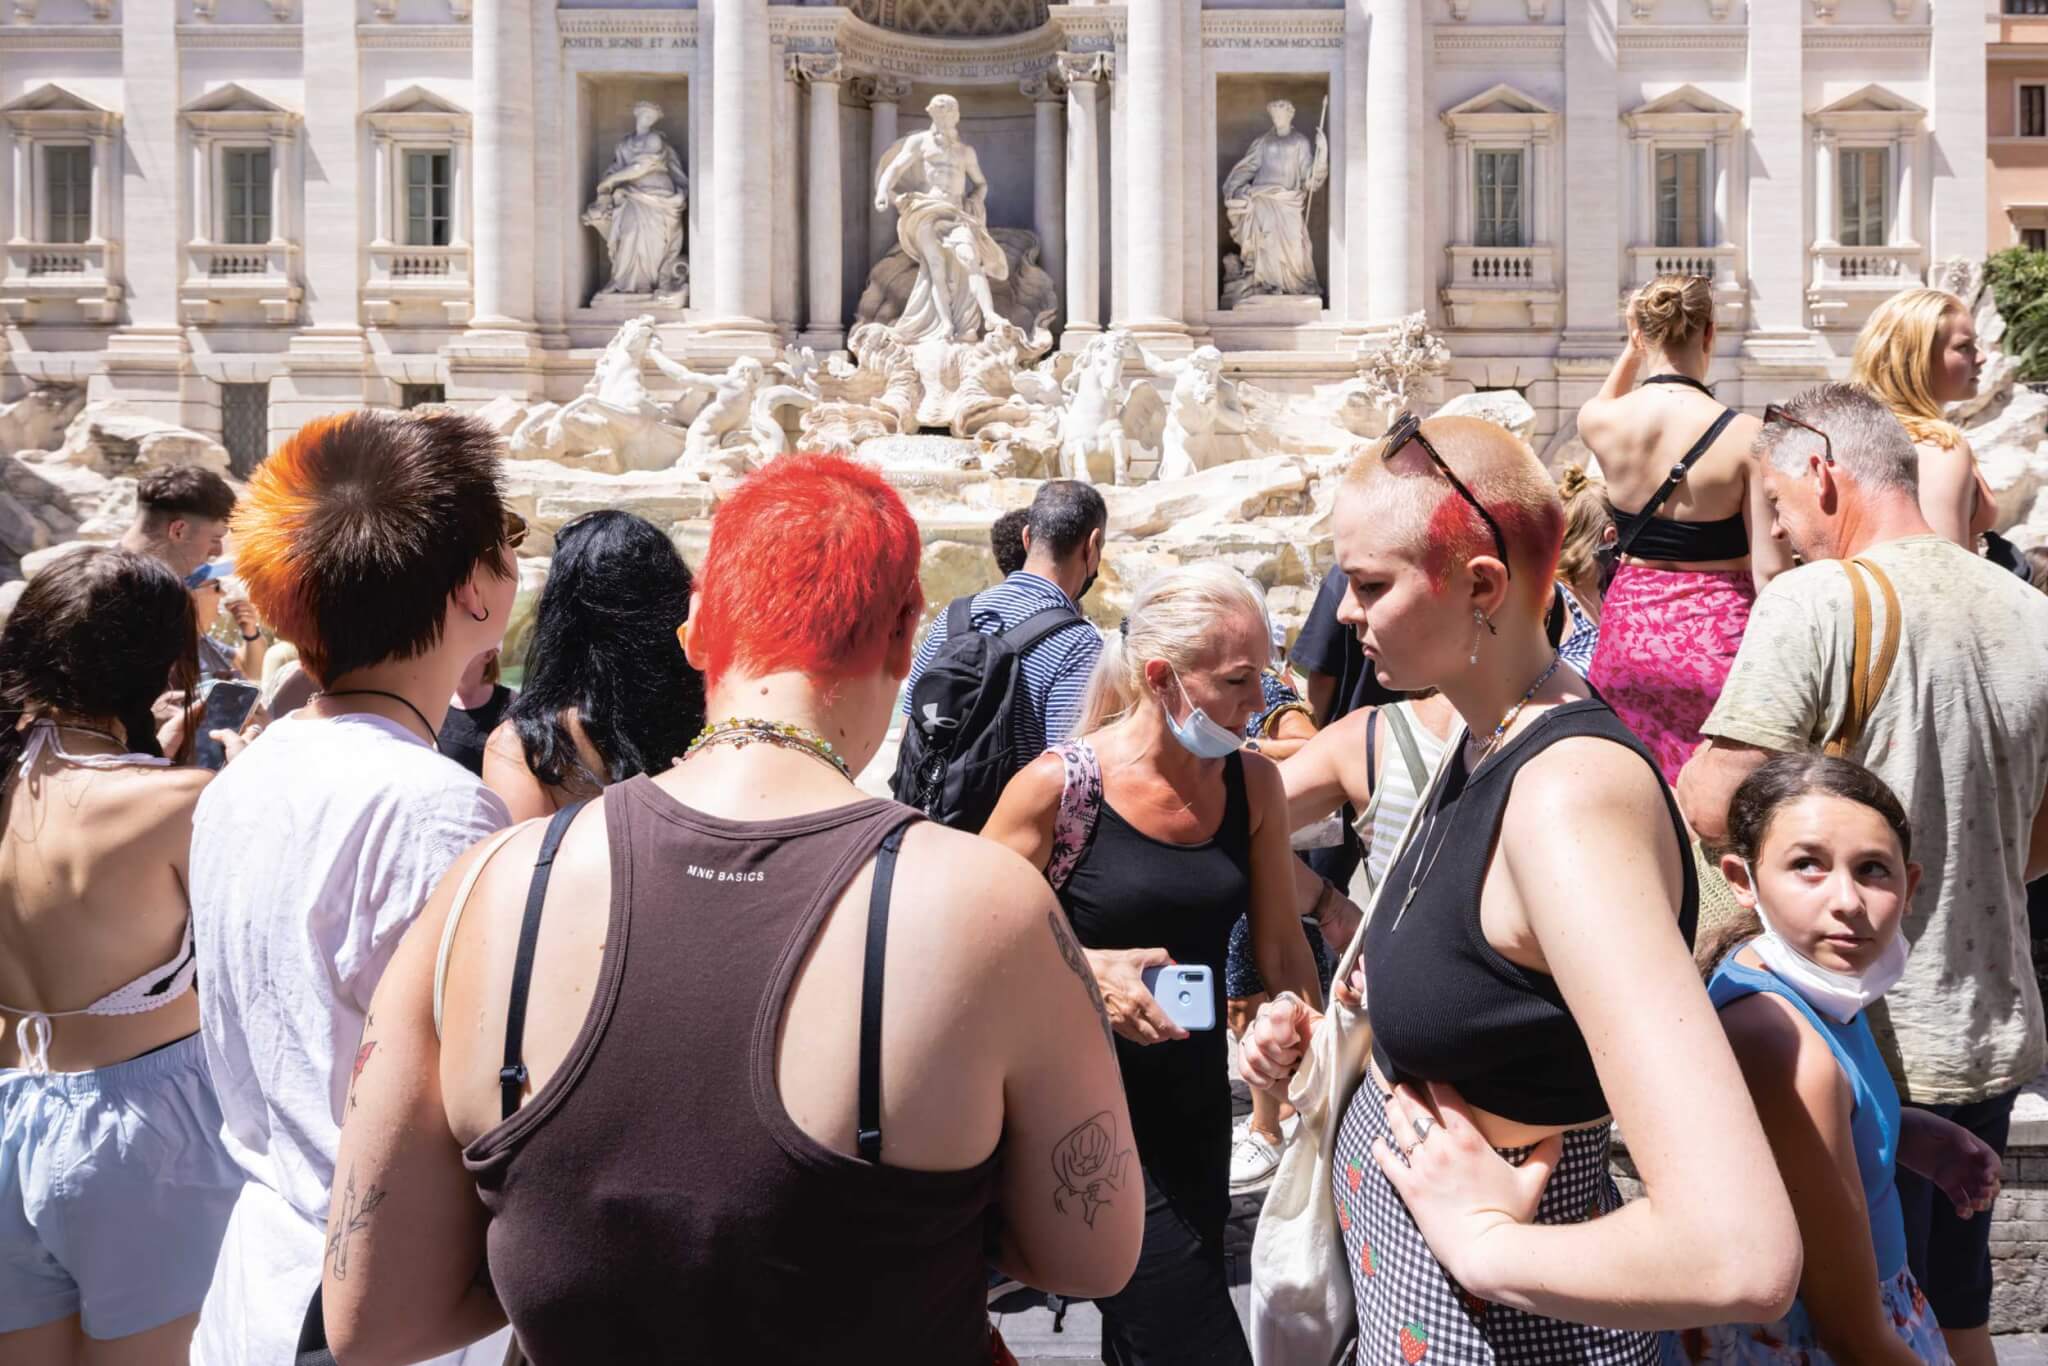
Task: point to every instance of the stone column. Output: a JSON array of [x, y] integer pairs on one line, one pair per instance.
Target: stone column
[[327, 367], [821, 74], [1084, 73], [1646, 190], [1776, 250], [458, 181], [501, 63], [382, 154], [1543, 228], [1461, 189], [25, 190], [152, 261], [280, 187], [1151, 173], [1723, 171], [1592, 167], [1047, 93], [202, 188], [1956, 121], [884, 94], [1395, 162], [1904, 151], [740, 297], [1824, 172]]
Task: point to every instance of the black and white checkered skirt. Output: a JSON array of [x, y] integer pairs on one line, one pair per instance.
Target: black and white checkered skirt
[[1410, 1310]]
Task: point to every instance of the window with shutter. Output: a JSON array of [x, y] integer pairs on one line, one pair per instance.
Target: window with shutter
[[67, 173], [1679, 172], [247, 173], [427, 199], [1497, 199], [1862, 187]]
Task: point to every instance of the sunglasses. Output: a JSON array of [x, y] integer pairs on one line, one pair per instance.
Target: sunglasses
[[1775, 412], [1407, 428], [515, 530]]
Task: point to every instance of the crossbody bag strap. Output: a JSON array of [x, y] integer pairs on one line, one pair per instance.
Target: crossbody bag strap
[[1870, 661], [871, 978], [1411, 753], [461, 903], [1073, 823], [512, 1076], [1672, 481]]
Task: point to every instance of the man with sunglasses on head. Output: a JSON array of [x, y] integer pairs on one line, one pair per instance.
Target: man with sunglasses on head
[[1925, 663]]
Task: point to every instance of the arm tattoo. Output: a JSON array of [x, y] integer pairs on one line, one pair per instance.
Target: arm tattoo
[[1088, 1166], [1070, 950], [350, 1218]]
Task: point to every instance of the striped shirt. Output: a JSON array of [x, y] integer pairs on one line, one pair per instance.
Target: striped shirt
[[1395, 794], [1054, 673]]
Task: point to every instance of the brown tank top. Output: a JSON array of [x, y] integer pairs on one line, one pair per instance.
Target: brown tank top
[[654, 1201]]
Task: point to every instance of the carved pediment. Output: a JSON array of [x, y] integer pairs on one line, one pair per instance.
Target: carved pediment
[[233, 108], [1500, 110], [52, 108], [1870, 109], [416, 109], [1686, 109]]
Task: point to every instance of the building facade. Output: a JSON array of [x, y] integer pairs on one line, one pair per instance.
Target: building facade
[[241, 214], [2016, 102]]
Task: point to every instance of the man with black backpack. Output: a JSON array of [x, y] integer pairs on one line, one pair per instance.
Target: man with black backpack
[[1003, 673]]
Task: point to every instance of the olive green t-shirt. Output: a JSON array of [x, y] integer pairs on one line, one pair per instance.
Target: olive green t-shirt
[[1960, 733]]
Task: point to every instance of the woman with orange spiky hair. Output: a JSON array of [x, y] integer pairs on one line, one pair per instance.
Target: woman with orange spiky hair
[[381, 548]]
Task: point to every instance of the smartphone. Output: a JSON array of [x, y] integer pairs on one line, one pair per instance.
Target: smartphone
[[225, 704], [1186, 992]]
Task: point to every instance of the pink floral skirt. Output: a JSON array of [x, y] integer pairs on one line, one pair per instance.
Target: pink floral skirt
[[1791, 1341], [1667, 641]]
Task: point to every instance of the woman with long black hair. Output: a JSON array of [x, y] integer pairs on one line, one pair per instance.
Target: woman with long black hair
[[100, 1054], [607, 693]]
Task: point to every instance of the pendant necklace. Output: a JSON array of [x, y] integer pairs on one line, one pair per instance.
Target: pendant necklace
[[1492, 743], [433, 737], [739, 732]]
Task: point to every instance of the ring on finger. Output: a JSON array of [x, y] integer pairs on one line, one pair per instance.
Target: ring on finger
[[1422, 1127]]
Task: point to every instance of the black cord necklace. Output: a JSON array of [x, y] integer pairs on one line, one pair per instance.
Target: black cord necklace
[[433, 737], [1687, 380]]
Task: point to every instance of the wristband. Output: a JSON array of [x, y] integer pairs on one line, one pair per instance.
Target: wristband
[[257, 636]]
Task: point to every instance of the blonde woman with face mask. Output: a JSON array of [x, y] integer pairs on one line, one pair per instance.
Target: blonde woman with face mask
[[1819, 858], [1918, 354]]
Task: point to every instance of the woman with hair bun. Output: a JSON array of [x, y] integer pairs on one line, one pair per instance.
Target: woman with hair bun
[[1693, 541], [1158, 831], [1918, 354], [1588, 529]]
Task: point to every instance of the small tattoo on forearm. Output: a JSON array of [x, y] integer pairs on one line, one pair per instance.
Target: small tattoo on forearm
[[1070, 950], [351, 1218], [1089, 1166]]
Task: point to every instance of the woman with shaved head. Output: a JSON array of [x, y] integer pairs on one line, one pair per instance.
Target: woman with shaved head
[[1529, 969]]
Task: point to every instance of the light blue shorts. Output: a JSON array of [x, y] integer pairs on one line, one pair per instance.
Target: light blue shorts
[[114, 1192]]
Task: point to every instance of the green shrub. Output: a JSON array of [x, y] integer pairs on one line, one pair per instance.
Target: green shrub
[[2019, 281]]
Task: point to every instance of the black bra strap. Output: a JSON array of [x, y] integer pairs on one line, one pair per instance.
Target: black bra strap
[[1672, 480], [870, 1131], [512, 1077], [1687, 380]]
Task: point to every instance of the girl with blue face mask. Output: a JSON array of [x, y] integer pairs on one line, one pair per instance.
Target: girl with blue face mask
[[1819, 856], [1159, 830]]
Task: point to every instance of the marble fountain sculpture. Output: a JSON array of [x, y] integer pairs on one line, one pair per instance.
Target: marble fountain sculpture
[[1267, 198], [638, 209]]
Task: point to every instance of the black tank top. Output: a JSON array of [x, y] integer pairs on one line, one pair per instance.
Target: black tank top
[[655, 1202], [1130, 891], [1446, 1005]]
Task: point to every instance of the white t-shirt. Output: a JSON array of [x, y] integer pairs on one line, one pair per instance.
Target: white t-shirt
[[1960, 734], [311, 854]]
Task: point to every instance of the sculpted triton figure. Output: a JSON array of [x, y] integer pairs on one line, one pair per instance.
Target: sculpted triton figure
[[1266, 197], [935, 184], [639, 208]]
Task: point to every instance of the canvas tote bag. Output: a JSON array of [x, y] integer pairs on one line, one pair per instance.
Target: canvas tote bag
[[1301, 1306]]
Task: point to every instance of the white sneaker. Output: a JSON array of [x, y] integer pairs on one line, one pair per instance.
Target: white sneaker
[[1253, 1161]]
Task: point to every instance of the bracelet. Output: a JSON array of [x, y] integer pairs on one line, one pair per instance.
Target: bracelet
[[257, 636]]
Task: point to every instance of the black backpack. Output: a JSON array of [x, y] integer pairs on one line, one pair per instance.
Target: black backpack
[[956, 757]]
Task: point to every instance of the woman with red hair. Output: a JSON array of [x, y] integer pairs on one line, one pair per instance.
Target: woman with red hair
[[726, 1055]]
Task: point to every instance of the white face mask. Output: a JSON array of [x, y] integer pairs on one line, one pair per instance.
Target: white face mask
[[1838, 995], [1199, 735]]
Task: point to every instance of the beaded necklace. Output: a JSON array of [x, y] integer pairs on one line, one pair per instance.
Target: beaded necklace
[[741, 731]]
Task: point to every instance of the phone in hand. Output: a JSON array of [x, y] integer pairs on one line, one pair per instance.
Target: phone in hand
[[1186, 992], [225, 704]]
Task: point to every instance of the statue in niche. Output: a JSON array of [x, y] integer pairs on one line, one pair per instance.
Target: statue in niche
[[1266, 197], [933, 180], [638, 209]]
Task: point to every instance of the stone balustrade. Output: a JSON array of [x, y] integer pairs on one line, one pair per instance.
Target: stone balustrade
[[75, 274]]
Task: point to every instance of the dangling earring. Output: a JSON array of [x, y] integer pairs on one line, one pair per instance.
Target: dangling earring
[[1479, 621], [480, 620]]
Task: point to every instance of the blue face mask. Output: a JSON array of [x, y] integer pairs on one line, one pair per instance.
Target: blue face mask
[[1199, 735]]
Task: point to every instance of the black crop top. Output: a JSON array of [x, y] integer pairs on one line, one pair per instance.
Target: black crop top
[[1446, 1006], [1664, 539]]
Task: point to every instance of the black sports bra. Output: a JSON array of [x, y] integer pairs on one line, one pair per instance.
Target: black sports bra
[[1664, 538]]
